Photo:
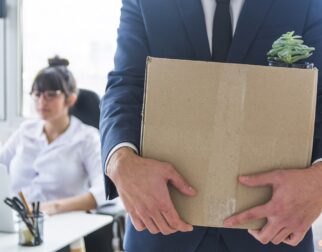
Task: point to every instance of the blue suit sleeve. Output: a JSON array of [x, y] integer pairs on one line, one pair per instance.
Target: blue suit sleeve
[[313, 37], [121, 106]]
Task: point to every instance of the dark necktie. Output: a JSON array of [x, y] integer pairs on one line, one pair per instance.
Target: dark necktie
[[222, 31]]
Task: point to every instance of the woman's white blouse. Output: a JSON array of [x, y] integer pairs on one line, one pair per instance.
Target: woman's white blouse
[[69, 166]]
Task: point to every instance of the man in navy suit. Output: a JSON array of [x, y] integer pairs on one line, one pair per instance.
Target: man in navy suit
[[238, 31]]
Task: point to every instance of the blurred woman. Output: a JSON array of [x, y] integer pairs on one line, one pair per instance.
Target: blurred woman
[[55, 159]]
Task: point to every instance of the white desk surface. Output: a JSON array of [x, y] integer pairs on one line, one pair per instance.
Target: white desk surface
[[59, 231]]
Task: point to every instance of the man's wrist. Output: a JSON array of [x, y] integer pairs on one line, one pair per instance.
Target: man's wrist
[[122, 152], [116, 147], [316, 170], [117, 158]]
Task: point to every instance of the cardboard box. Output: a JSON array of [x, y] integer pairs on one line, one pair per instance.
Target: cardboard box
[[215, 121]]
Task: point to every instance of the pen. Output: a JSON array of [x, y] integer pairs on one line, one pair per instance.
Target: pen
[[38, 207], [33, 204], [25, 202], [27, 206], [37, 216]]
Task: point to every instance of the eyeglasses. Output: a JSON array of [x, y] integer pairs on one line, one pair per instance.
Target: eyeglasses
[[48, 95]]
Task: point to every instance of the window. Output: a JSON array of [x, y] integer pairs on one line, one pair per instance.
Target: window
[[82, 31], [2, 67], [2, 60], [10, 69]]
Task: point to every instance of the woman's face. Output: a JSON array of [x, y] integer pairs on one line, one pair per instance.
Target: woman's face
[[51, 104]]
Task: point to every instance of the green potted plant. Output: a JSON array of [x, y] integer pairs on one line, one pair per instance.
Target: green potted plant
[[290, 51]]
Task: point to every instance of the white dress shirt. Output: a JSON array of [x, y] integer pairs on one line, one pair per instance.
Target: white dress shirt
[[69, 166], [209, 7]]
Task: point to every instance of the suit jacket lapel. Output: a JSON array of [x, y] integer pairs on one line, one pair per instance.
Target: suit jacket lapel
[[193, 17], [250, 20]]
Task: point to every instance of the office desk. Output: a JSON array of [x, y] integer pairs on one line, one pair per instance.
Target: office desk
[[59, 231]]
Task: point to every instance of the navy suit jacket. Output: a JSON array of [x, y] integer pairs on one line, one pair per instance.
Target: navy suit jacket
[[176, 29]]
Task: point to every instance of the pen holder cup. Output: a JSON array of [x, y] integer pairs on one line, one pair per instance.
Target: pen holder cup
[[31, 230]]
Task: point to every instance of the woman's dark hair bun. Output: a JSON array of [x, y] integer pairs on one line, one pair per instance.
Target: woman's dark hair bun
[[57, 61], [55, 77]]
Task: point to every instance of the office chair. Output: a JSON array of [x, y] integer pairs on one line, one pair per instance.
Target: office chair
[[108, 238], [87, 108]]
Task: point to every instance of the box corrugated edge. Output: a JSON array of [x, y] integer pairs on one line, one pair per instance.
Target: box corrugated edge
[[148, 62], [313, 115]]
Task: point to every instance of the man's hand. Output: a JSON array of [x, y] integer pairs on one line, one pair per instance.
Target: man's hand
[[295, 204], [142, 185]]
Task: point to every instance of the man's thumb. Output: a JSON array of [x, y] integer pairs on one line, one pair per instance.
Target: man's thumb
[[181, 184]]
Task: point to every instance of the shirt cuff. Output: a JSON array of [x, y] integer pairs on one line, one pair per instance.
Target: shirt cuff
[[120, 145], [316, 161], [98, 193]]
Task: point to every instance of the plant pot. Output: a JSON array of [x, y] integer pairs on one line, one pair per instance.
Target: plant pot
[[304, 65]]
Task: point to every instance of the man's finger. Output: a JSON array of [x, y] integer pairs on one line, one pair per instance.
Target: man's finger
[[294, 239], [137, 223], [174, 220], [268, 232], [180, 183], [150, 225], [281, 236], [253, 232], [162, 224], [255, 213], [262, 179]]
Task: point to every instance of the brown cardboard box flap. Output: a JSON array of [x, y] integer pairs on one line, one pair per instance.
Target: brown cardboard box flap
[[215, 121]]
